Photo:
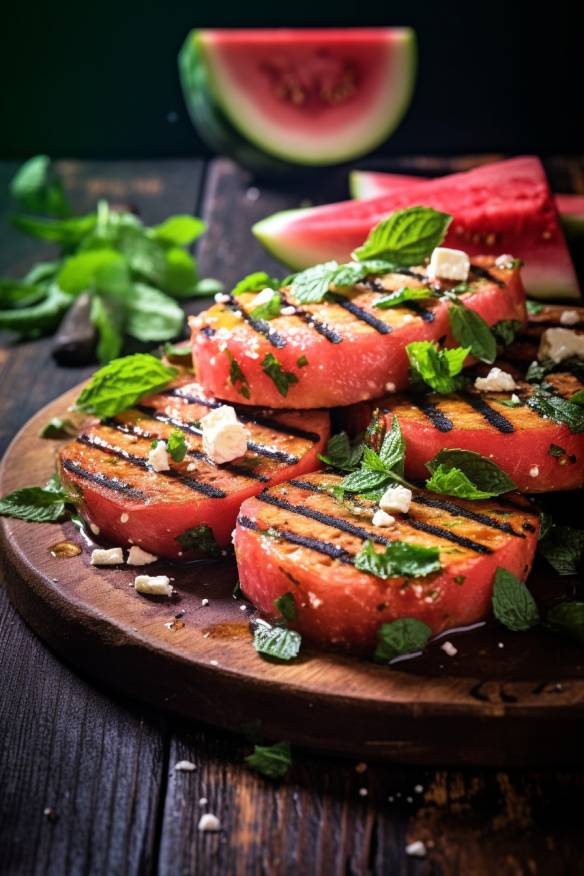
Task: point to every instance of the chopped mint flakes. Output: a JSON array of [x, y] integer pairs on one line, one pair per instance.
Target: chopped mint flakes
[[282, 380]]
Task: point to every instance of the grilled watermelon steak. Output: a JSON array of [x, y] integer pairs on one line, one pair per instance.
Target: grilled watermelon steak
[[296, 538], [505, 207], [189, 511], [339, 351], [308, 97]]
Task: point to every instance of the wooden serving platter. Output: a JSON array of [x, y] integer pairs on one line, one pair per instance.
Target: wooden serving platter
[[503, 699]]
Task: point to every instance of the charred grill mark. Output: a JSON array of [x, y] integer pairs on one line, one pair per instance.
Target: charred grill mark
[[307, 485], [461, 540], [322, 547], [193, 429], [436, 416], [259, 325], [361, 314], [310, 319], [420, 310], [140, 462], [179, 392], [459, 511], [483, 274], [104, 481], [493, 417]]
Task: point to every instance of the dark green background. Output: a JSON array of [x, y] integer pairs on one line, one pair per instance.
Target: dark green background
[[99, 79]]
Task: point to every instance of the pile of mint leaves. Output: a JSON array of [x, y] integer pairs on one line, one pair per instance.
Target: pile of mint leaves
[[134, 274]]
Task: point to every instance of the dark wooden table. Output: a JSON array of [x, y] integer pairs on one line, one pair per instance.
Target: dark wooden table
[[87, 784]]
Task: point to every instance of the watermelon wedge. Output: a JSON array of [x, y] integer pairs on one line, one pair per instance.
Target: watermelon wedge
[[505, 207], [309, 97]]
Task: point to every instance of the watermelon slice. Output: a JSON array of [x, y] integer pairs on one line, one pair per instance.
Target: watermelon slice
[[505, 207], [297, 538], [310, 97]]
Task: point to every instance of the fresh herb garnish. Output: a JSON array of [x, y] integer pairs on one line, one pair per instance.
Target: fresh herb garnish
[[180, 354], [272, 761], [403, 636], [270, 310], [399, 558], [533, 307], [378, 469], [506, 330], [255, 283], [402, 296], [236, 376], [282, 380], [123, 382], [341, 453], [509, 402], [538, 371], [513, 604], [302, 362], [286, 606], [276, 642], [407, 237], [578, 397], [558, 409], [201, 539], [176, 445], [439, 369], [567, 618], [467, 475], [58, 428], [563, 548], [556, 450], [37, 188], [471, 331], [37, 504]]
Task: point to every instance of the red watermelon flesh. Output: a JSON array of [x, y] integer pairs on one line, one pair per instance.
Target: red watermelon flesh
[[505, 207]]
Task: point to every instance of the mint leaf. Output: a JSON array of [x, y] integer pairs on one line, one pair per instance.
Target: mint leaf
[[282, 380], [483, 475], [407, 237], [236, 376], [255, 283], [363, 481], [563, 548], [37, 188], [341, 453], [58, 428], [14, 293], [506, 330], [567, 618], [272, 761], [558, 409], [513, 604], [177, 446], [208, 286], [403, 636], [107, 318], [402, 296], [66, 232], [533, 307], [439, 369], [152, 315], [286, 606], [270, 310], [578, 397], [311, 285], [393, 449], [276, 642], [37, 319], [35, 504], [83, 271], [180, 273], [471, 331], [200, 539], [399, 558], [181, 230], [123, 382]]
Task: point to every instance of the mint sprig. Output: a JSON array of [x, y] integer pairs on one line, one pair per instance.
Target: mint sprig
[[407, 237], [513, 604], [403, 636], [472, 332], [398, 559], [439, 369], [467, 475], [121, 383], [272, 761]]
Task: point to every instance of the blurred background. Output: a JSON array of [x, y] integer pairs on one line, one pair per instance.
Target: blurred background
[[100, 80]]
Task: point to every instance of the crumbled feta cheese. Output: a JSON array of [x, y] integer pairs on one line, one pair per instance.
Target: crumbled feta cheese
[[515, 399], [503, 260], [154, 585], [534, 471], [209, 823], [203, 801], [449, 649], [289, 310], [224, 437], [124, 518], [495, 381], [449, 264], [382, 518], [204, 602], [396, 499], [138, 557], [263, 297], [158, 457], [569, 317], [94, 528], [107, 556], [558, 344], [184, 766], [222, 298], [416, 849]]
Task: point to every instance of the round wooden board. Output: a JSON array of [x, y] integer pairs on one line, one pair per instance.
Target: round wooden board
[[503, 699]]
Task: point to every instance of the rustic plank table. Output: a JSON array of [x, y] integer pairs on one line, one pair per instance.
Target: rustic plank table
[[87, 784]]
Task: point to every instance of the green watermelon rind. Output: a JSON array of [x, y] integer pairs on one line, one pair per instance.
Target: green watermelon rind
[[221, 126]]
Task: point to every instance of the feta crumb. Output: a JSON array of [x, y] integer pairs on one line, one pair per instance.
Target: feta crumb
[[107, 556], [191, 466], [495, 381], [515, 399], [534, 471], [184, 766], [224, 437], [503, 260], [396, 499], [569, 317], [449, 264], [153, 585], [138, 557], [390, 386], [289, 310], [204, 602], [382, 518], [558, 344], [416, 849], [243, 607], [221, 298], [209, 823], [94, 528], [263, 297], [158, 457], [449, 649], [203, 801], [124, 518]]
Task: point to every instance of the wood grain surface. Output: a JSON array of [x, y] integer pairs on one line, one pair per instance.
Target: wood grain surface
[[104, 765]]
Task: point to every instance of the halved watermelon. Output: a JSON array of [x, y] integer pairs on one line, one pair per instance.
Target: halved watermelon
[[129, 503], [538, 454], [296, 538], [310, 97], [339, 351], [505, 207]]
